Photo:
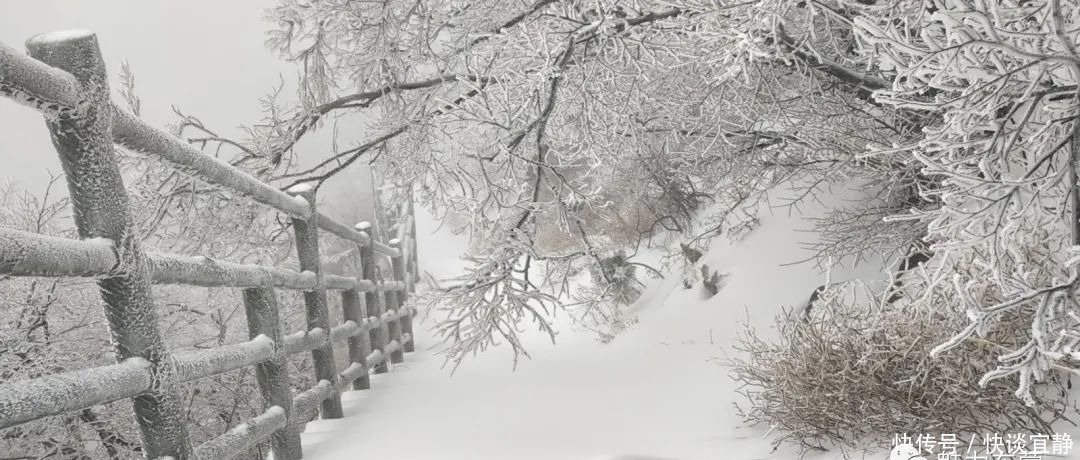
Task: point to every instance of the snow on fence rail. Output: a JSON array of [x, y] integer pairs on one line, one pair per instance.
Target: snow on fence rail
[[64, 78]]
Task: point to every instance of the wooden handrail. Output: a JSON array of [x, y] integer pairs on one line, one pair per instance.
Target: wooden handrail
[[36, 398], [56, 93], [85, 124], [21, 402], [32, 254]]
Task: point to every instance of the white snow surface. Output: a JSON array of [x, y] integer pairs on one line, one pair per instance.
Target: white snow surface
[[657, 392], [61, 36], [301, 188], [100, 242]]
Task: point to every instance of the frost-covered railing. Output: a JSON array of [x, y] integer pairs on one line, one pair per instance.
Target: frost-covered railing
[[65, 79]]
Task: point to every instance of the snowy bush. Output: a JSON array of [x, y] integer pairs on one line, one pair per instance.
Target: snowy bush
[[602, 316], [852, 376], [617, 277], [600, 305]]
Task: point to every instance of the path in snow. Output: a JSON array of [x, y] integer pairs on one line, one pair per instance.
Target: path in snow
[[656, 393]]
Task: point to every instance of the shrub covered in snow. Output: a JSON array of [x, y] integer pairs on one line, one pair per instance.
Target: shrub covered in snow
[[618, 277], [856, 376]]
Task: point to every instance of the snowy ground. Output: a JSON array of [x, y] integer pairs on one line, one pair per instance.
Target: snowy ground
[[657, 392]]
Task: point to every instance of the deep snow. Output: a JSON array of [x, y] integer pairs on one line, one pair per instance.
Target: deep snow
[[657, 392]]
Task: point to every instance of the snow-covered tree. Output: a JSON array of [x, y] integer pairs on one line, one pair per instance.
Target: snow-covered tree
[[565, 130], [997, 84]]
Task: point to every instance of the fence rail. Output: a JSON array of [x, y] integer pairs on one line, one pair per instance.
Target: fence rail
[[64, 78]]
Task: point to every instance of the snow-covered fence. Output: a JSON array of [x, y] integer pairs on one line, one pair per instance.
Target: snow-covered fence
[[64, 78]]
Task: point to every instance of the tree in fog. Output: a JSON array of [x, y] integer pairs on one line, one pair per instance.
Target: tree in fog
[[999, 82], [568, 131], [983, 314]]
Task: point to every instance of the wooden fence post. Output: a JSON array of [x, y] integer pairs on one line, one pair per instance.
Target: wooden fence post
[[318, 313], [392, 300], [393, 327], [373, 301], [102, 210], [263, 318], [359, 346], [400, 274], [414, 269]]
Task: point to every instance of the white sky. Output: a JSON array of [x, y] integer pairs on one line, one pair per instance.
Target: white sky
[[206, 57]]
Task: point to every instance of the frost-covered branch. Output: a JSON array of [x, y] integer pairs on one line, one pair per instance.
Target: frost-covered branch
[[1001, 133]]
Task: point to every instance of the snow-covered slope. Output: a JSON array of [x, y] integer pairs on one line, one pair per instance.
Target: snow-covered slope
[[657, 392]]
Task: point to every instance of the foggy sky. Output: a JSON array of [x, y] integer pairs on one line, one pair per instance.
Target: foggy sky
[[206, 57]]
